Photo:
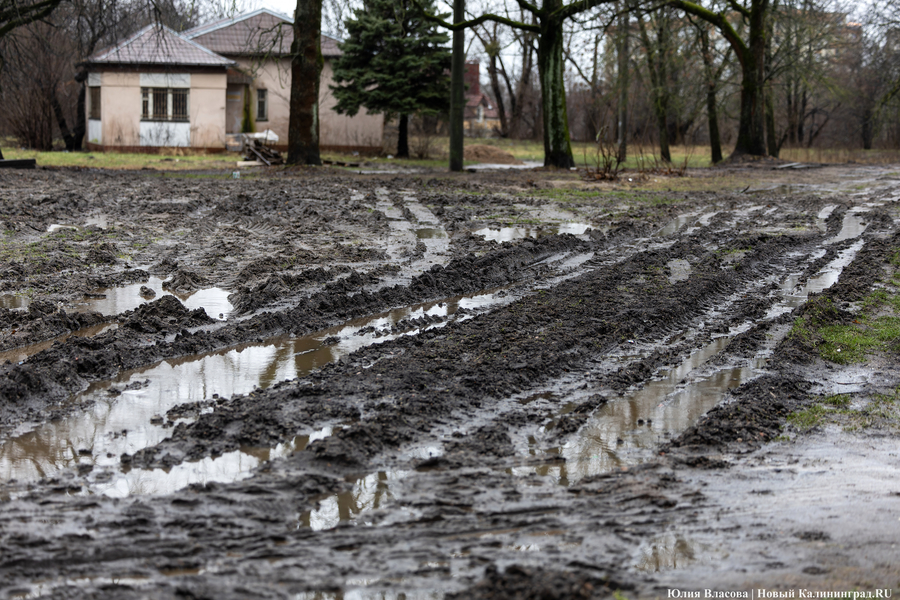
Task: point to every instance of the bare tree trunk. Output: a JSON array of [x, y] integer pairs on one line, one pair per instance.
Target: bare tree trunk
[[622, 81], [306, 67], [61, 121], [557, 144], [712, 113], [457, 93], [403, 137], [498, 96]]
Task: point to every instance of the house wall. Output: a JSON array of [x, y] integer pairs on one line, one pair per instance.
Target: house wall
[[362, 132], [120, 126], [207, 107], [120, 104]]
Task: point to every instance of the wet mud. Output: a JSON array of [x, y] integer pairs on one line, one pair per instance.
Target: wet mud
[[318, 384]]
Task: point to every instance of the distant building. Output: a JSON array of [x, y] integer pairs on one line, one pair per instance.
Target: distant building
[[163, 89], [481, 117]]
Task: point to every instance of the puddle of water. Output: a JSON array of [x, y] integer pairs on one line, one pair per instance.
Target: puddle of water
[[792, 296], [369, 594], [369, 493], [430, 233], [852, 227], [57, 227], [823, 216], [100, 221], [121, 424], [14, 301], [17, 355], [229, 467], [679, 270], [119, 299], [668, 552], [679, 222], [627, 431], [508, 234]]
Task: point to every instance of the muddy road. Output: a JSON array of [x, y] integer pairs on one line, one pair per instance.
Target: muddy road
[[324, 384]]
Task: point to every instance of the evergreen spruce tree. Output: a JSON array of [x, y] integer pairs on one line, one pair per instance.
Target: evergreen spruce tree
[[394, 62]]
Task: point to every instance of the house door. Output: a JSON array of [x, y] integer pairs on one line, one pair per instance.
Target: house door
[[234, 108]]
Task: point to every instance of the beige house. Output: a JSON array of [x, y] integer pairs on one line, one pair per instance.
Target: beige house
[[197, 89]]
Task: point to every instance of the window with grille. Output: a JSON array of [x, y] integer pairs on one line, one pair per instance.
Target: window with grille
[[165, 104], [94, 103], [262, 105]]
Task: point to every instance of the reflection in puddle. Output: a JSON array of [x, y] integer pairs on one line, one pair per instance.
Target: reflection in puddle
[[111, 426], [231, 466], [14, 301], [119, 299], [430, 233], [666, 553], [792, 297], [17, 355], [368, 493], [370, 594], [823, 215], [628, 430], [508, 234], [679, 222], [851, 227]]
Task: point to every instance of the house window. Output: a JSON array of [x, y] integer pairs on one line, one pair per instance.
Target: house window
[[165, 104], [94, 103], [262, 105]]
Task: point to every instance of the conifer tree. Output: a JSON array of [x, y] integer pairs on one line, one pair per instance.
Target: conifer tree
[[395, 62]]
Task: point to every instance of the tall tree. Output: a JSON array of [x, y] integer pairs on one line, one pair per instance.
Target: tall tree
[[658, 53], [395, 62], [751, 54], [306, 67], [547, 25], [16, 13]]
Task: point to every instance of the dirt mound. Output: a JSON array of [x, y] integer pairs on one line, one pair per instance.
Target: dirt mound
[[490, 154]]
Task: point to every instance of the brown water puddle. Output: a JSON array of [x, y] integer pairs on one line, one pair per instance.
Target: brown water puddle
[[132, 418], [116, 300], [14, 301], [17, 355]]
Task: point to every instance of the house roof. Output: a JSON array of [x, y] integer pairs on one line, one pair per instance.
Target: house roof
[[159, 45], [256, 33]]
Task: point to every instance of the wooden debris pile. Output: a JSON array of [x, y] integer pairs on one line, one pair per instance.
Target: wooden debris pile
[[267, 155]]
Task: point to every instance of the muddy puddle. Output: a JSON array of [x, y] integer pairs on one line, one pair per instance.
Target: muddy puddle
[[229, 467], [370, 492], [670, 551], [14, 301], [17, 355], [628, 430], [113, 301], [128, 413], [370, 594], [509, 234]]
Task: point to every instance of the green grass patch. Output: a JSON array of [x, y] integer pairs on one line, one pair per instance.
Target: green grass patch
[[175, 160], [806, 419]]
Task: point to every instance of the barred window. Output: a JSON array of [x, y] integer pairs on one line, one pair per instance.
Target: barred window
[[262, 105], [180, 104], [94, 103], [165, 104]]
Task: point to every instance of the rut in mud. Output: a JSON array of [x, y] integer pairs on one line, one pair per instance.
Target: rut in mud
[[344, 386]]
